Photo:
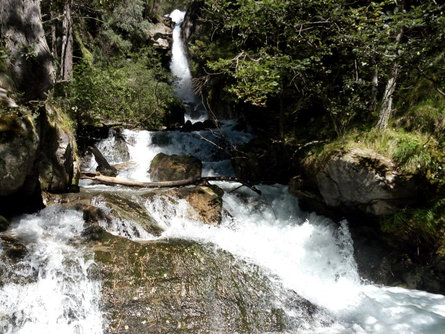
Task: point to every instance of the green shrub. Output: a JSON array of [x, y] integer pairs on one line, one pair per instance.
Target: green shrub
[[128, 91], [419, 228]]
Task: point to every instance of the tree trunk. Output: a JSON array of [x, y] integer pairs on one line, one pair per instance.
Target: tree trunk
[[30, 63], [375, 89], [386, 105], [109, 180], [53, 17], [66, 56]]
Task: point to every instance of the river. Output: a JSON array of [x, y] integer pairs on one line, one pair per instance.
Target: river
[[50, 290]]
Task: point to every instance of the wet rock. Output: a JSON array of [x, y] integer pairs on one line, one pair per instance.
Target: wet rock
[[179, 286], [109, 207], [161, 139], [205, 202], [175, 167], [13, 247], [115, 147]]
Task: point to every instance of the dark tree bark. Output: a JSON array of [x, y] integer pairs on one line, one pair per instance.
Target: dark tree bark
[[30, 63]]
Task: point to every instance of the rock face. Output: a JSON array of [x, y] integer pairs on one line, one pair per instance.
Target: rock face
[[34, 156], [59, 164], [160, 35], [175, 167], [179, 286], [364, 179], [19, 142]]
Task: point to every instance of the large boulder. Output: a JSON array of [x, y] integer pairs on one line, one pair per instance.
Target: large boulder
[[19, 142], [175, 167], [366, 180], [177, 286], [29, 62]]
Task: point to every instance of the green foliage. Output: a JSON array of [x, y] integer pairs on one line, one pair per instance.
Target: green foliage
[[127, 25], [128, 91], [324, 52], [257, 79], [419, 228]]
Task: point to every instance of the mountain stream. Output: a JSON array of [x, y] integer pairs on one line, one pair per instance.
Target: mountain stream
[[51, 289]]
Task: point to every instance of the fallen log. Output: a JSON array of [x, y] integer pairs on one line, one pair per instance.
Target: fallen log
[[110, 180]]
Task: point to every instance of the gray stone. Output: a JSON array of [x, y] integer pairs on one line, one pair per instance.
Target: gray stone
[[160, 36], [366, 180], [19, 142]]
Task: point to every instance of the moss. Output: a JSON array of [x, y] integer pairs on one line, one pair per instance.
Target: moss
[[412, 152]]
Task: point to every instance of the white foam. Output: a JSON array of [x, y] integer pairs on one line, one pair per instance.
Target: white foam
[[310, 255], [59, 298]]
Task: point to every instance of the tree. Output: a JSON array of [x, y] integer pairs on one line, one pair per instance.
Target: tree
[[343, 57], [66, 56], [29, 60]]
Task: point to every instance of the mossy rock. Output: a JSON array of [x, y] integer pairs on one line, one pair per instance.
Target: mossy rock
[[177, 286], [175, 167]]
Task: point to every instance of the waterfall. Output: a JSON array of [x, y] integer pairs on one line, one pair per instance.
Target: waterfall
[[179, 67], [51, 290]]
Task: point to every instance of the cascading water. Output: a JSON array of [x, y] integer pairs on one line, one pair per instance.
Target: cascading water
[[180, 69], [312, 256], [303, 252], [205, 145], [50, 289], [54, 293]]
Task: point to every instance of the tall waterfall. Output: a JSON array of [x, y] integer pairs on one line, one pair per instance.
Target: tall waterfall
[[179, 67]]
